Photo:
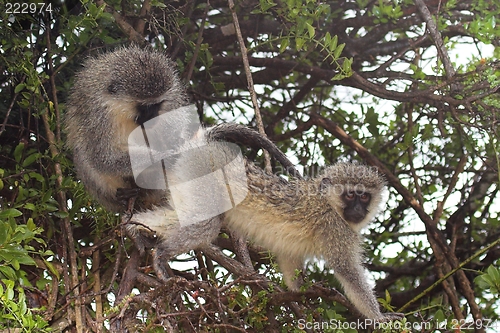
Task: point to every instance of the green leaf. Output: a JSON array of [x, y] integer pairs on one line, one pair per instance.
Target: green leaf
[[29, 206], [52, 269], [19, 87], [494, 273], [371, 118], [333, 43], [338, 76], [47, 195], [338, 50], [31, 225], [11, 212], [284, 44], [299, 43], [310, 30], [265, 5], [30, 159], [18, 152], [25, 259], [22, 305], [8, 272], [61, 214]]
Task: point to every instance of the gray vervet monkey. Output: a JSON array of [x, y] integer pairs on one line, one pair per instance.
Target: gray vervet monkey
[[114, 94], [320, 217]]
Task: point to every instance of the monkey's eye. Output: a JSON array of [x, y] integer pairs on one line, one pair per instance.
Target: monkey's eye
[[365, 197], [349, 195]]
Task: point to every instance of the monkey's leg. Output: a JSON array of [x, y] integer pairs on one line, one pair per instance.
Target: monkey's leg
[[160, 230], [174, 238], [141, 236], [352, 277], [288, 265], [161, 256]]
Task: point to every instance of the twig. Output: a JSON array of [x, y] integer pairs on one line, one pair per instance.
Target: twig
[[14, 98], [450, 273], [123, 24], [61, 198], [241, 250], [416, 180], [246, 65], [431, 26], [96, 262], [198, 43], [141, 23], [453, 183]]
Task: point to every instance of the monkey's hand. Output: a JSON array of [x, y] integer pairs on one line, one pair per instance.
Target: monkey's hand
[[390, 317], [142, 237]]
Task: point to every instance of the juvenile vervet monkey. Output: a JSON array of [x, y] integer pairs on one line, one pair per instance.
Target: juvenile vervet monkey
[[114, 94], [320, 217]]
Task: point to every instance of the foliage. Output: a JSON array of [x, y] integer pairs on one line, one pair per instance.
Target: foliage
[[490, 280], [14, 252], [14, 310], [335, 80]]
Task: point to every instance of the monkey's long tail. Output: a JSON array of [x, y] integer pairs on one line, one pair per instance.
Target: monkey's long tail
[[243, 135]]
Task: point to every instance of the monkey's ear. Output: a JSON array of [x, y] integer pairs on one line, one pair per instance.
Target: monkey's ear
[[325, 182]]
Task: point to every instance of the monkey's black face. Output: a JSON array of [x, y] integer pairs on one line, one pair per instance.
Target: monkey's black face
[[147, 112], [356, 206]]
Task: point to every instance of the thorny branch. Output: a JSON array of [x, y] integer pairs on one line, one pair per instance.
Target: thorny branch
[[251, 88], [433, 30]]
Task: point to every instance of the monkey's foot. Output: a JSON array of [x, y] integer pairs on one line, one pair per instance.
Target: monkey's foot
[[142, 237], [390, 317]]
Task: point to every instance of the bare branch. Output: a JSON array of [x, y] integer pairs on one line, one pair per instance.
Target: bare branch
[[433, 30], [244, 56]]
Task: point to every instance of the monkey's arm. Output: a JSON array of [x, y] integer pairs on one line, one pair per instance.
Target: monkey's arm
[[287, 266], [350, 274]]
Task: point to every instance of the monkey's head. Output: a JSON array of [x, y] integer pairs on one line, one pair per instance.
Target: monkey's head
[[134, 83], [355, 191]]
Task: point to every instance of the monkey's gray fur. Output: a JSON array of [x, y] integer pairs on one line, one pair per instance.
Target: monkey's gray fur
[[114, 94], [305, 218], [295, 220]]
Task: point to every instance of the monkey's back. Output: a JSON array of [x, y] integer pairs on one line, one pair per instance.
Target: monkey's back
[[277, 213]]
